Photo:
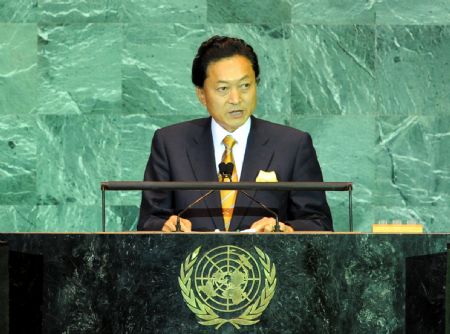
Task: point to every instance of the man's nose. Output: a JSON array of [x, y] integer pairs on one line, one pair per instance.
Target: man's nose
[[234, 96]]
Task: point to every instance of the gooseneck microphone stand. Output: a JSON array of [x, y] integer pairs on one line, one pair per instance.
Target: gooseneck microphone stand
[[201, 198], [225, 171], [276, 228]]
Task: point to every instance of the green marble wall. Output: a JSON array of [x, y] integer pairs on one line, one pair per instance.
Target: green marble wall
[[84, 84]]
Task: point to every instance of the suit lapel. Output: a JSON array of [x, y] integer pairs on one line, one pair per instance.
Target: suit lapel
[[258, 156], [201, 157]]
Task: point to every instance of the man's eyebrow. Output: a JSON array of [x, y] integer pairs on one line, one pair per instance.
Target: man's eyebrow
[[224, 81]]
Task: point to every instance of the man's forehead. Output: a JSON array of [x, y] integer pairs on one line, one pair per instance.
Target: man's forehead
[[230, 69], [240, 79]]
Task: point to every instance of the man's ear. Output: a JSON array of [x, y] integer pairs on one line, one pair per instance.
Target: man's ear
[[200, 95]]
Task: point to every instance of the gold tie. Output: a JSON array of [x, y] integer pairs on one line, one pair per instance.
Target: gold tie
[[228, 197]]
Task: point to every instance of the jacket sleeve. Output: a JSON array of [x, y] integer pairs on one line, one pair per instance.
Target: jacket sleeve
[[156, 205], [308, 210]]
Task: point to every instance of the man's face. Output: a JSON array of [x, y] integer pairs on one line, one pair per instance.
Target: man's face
[[229, 91]]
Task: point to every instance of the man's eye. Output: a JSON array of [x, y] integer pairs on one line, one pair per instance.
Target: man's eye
[[222, 89], [245, 85]]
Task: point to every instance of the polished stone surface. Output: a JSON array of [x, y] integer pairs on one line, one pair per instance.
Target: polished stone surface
[[412, 177], [168, 11], [26, 292], [447, 293], [425, 293], [18, 65], [235, 11], [333, 70], [17, 159], [79, 11], [4, 287], [334, 12], [123, 283], [156, 64], [415, 12], [79, 68], [19, 11], [84, 85], [412, 66]]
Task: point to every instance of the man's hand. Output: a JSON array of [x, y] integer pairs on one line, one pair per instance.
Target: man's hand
[[171, 225], [267, 224]]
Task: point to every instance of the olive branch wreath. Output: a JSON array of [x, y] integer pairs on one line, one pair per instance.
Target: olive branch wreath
[[207, 315]]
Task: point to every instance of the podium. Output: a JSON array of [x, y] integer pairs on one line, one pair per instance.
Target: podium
[[425, 302], [4, 288], [133, 282]]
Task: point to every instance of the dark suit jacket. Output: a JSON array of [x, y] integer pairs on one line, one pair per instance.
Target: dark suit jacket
[[185, 152]]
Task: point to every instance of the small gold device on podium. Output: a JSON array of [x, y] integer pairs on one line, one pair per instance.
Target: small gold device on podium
[[397, 227]]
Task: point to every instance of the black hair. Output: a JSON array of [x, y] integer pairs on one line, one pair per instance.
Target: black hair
[[219, 47]]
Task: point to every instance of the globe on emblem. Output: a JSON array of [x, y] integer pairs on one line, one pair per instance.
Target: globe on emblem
[[227, 279]]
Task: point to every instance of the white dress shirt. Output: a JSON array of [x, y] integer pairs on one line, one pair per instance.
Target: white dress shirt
[[240, 135]]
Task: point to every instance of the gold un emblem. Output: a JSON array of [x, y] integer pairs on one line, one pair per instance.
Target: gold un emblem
[[227, 285]]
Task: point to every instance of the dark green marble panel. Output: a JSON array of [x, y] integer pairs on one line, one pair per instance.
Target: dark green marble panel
[[245, 11], [156, 69], [412, 69], [17, 160], [413, 12], [78, 11], [84, 218], [75, 217], [168, 11], [121, 218], [333, 12], [77, 152], [18, 62], [18, 218], [344, 146], [412, 175], [333, 70], [325, 283], [18, 10], [79, 68], [67, 218]]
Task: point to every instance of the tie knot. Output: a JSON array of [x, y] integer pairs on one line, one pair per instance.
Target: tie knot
[[229, 142]]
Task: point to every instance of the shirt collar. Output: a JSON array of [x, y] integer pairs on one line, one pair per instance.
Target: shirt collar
[[240, 134]]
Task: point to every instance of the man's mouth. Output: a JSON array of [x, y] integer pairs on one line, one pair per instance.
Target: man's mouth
[[236, 113]]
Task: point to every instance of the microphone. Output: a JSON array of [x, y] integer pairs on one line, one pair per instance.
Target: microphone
[[226, 170]]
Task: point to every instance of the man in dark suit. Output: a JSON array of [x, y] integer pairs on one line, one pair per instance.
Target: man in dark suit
[[225, 73]]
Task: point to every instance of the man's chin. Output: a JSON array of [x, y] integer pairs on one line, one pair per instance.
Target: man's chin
[[235, 124]]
